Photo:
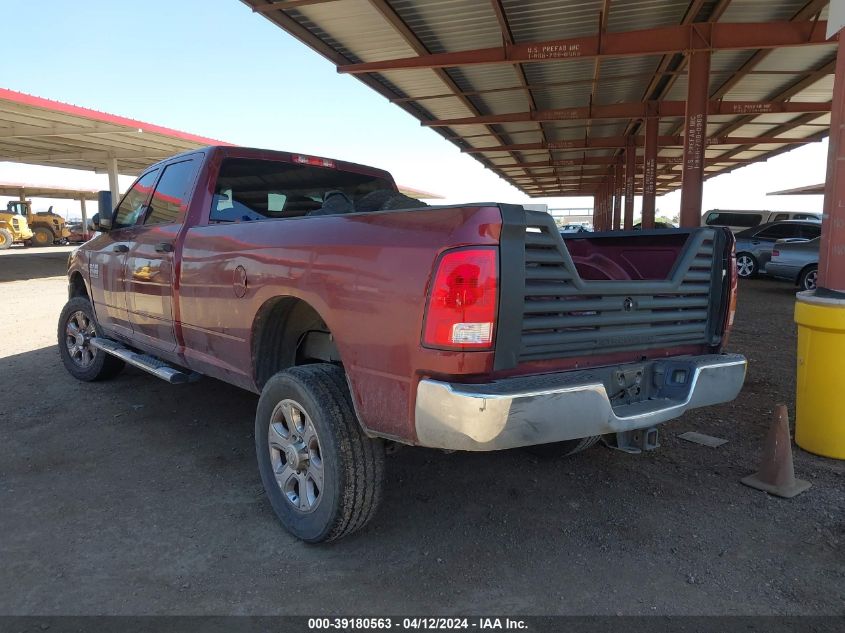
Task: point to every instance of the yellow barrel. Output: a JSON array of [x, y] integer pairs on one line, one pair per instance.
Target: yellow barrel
[[820, 388]]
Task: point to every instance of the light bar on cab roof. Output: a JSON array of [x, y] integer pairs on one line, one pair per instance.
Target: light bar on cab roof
[[313, 160]]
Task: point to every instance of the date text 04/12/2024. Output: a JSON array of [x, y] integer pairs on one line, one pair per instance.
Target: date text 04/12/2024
[[416, 623]]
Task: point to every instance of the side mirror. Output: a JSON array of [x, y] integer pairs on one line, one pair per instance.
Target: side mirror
[[94, 222], [103, 219]]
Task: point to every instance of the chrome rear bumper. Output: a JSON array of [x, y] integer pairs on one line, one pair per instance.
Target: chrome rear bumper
[[524, 411]]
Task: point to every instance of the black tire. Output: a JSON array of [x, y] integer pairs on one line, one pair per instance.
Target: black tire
[[6, 239], [746, 265], [555, 450], [102, 366], [808, 277], [352, 464], [42, 236]]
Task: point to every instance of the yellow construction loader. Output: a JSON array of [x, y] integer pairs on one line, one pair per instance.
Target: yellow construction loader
[[48, 228], [13, 229]]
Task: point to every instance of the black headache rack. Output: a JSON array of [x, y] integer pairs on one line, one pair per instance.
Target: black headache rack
[[547, 311]]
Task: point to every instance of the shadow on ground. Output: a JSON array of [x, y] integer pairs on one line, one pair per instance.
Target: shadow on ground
[[134, 496], [20, 263]]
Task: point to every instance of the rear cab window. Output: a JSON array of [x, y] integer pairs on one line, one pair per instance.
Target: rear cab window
[[249, 189]]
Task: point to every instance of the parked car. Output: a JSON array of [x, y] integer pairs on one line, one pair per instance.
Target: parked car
[[754, 245], [658, 225], [362, 316], [574, 228], [797, 262], [740, 219], [76, 236]]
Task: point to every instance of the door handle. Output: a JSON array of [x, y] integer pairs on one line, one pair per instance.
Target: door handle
[[164, 247], [120, 248]]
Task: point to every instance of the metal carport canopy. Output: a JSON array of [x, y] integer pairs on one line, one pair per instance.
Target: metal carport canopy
[[23, 191], [46, 132], [537, 90]]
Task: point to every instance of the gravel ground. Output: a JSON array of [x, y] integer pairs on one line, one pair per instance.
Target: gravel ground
[[136, 497]]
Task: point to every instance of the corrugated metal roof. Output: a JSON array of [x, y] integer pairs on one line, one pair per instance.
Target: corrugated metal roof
[[47, 132], [355, 31]]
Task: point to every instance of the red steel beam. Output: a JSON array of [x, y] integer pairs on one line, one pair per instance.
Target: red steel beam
[[630, 176], [695, 123], [669, 39], [613, 142], [650, 171], [611, 160], [637, 110], [595, 209], [619, 183], [832, 248]]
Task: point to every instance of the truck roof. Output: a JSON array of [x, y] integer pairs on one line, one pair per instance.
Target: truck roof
[[237, 151]]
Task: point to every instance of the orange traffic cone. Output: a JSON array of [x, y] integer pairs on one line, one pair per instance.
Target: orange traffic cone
[[776, 475]]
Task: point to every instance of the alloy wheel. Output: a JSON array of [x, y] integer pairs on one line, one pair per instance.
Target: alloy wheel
[[79, 330], [296, 456], [744, 265]]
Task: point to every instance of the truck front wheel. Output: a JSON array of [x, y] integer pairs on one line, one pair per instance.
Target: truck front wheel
[[77, 326], [322, 474]]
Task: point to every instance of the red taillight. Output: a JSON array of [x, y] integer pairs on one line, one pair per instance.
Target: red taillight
[[734, 282], [775, 252], [314, 161], [462, 301]]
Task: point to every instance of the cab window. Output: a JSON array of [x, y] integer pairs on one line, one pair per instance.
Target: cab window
[[779, 231], [134, 202], [170, 200], [726, 218], [811, 232], [780, 217]]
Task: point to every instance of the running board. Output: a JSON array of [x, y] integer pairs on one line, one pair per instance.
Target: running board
[[150, 364]]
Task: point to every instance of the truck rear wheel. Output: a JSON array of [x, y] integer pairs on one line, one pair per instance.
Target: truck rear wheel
[[563, 449], [77, 326], [322, 474], [5, 239], [42, 236]]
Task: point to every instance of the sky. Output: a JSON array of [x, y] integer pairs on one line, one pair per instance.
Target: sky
[[215, 68]]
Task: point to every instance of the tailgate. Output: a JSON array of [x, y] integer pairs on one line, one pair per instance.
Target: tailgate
[[604, 293]]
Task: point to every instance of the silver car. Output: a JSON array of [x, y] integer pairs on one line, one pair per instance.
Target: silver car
[[754, 246], [797, 262]]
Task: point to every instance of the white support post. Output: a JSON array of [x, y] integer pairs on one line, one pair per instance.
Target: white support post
[[111, 166], [84, 219]]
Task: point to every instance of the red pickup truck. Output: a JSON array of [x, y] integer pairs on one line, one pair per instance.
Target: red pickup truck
[[363, 317]]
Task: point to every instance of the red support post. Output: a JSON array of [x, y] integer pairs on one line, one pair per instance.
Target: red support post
[[630, 176], [695, 138], [832, 248], [652, 126], [603, 207], [619, 185]]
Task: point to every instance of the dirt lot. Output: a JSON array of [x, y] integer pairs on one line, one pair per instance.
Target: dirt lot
[[133, 497]]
